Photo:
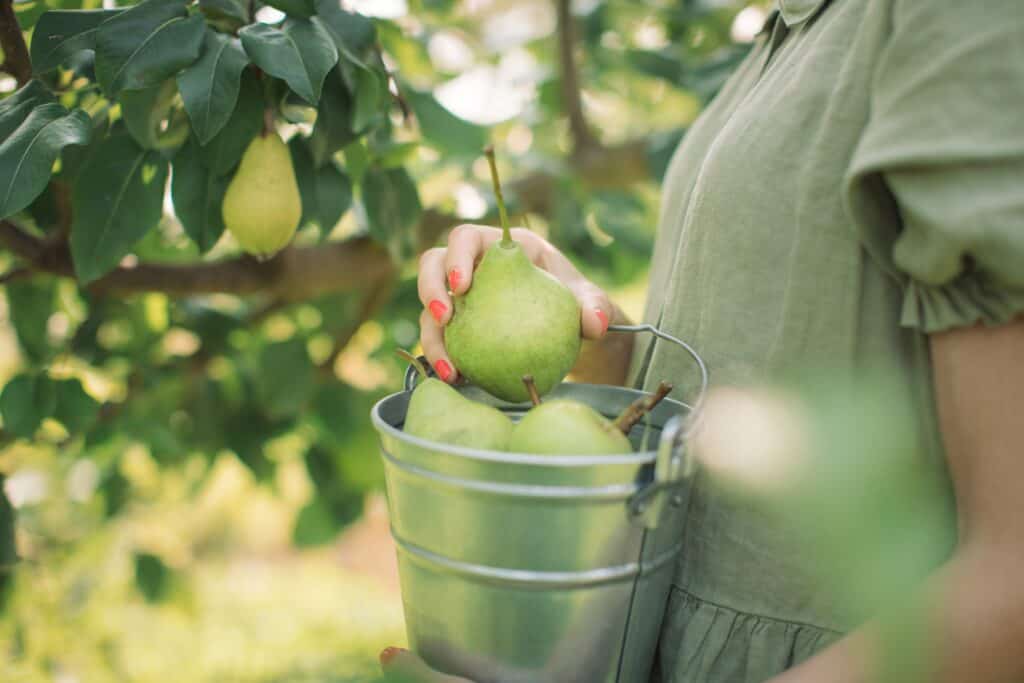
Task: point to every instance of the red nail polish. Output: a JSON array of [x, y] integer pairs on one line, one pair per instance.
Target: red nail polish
[[454, 278], [603, 317], [389, 653], [444, 369], [437, 309]]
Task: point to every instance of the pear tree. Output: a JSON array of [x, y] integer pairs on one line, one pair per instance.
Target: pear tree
[[210, 212]]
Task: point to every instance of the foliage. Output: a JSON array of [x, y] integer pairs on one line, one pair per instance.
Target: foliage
[[141, 330]]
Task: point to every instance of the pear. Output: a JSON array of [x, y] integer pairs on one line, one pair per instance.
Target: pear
[[567, 427], [262, 206], [516, 319], [437, 412]]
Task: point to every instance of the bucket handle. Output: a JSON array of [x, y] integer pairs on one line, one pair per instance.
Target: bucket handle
[[701, 365], [671, 466]]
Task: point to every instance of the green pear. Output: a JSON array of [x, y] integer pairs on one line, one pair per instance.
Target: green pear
[[262, 206], [515, 320], [437, 412], [567, 427]]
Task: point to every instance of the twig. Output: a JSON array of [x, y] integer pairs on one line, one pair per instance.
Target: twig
[[16, 59]]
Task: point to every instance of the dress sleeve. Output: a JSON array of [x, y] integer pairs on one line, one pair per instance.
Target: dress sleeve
[[936, 184]]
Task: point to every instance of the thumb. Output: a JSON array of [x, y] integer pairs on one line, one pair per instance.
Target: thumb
[[402, 666]]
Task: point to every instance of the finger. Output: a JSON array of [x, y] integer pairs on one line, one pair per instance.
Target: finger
[[596, 309], [431, 286], [432, 339], [403, 666], [466, 243]]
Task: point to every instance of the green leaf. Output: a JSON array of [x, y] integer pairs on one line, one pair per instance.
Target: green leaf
[[285, 379], [117, 200], [321, 520], [227, 147], [152, 577], [247, 432], [353, 34], [333, 128], [16, 108], [30, 304], [75, 408], [666, 63], [233, 12], [146, 44], [210, 87], [295, 8], [198, 193], [394, 154], [326, 191], [115, 489], [62, 33], [392, 205], [300, 54], [357, 160], [443, 128], [27, 155], [371, 98], [27, 12], [144, 111], [25, 401]]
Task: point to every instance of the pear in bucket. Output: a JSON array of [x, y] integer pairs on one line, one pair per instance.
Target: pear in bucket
[[516, 319], [567, 427], [437, 412]]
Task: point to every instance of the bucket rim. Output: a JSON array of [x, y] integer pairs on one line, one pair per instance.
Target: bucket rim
[[533, 459]]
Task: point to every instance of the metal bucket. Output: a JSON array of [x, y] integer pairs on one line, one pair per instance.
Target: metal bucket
[[538, 568]]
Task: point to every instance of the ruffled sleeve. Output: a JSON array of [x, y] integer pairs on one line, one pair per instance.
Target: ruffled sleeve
[[936, 184]]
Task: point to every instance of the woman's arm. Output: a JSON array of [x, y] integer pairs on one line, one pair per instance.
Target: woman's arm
[[976, 600]]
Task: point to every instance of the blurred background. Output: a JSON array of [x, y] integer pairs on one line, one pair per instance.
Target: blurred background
[[203, 499]]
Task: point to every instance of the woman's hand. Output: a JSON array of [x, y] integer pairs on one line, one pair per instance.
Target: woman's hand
[[402, 666], [452, 267]]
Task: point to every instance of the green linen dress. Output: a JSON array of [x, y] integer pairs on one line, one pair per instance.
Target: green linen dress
[[857, 184]]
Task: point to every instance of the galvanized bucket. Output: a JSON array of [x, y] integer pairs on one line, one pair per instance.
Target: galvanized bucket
[[521, 568]]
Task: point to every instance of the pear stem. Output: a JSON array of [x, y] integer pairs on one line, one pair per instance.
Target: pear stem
[[268, 122], [531, 387], [506, 232], [640, 407], [413, 361]]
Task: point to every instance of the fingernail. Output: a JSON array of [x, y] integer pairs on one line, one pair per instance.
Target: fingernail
[[437, 309], [389, 653], [603, 317], [444, 369], [454, 278]]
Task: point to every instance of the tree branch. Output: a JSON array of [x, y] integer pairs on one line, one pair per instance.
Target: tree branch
[[16, 60], [583, 138], [305, 272], [294, 274]]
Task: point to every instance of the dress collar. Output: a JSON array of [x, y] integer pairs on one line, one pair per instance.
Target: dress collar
[[796, 12]]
